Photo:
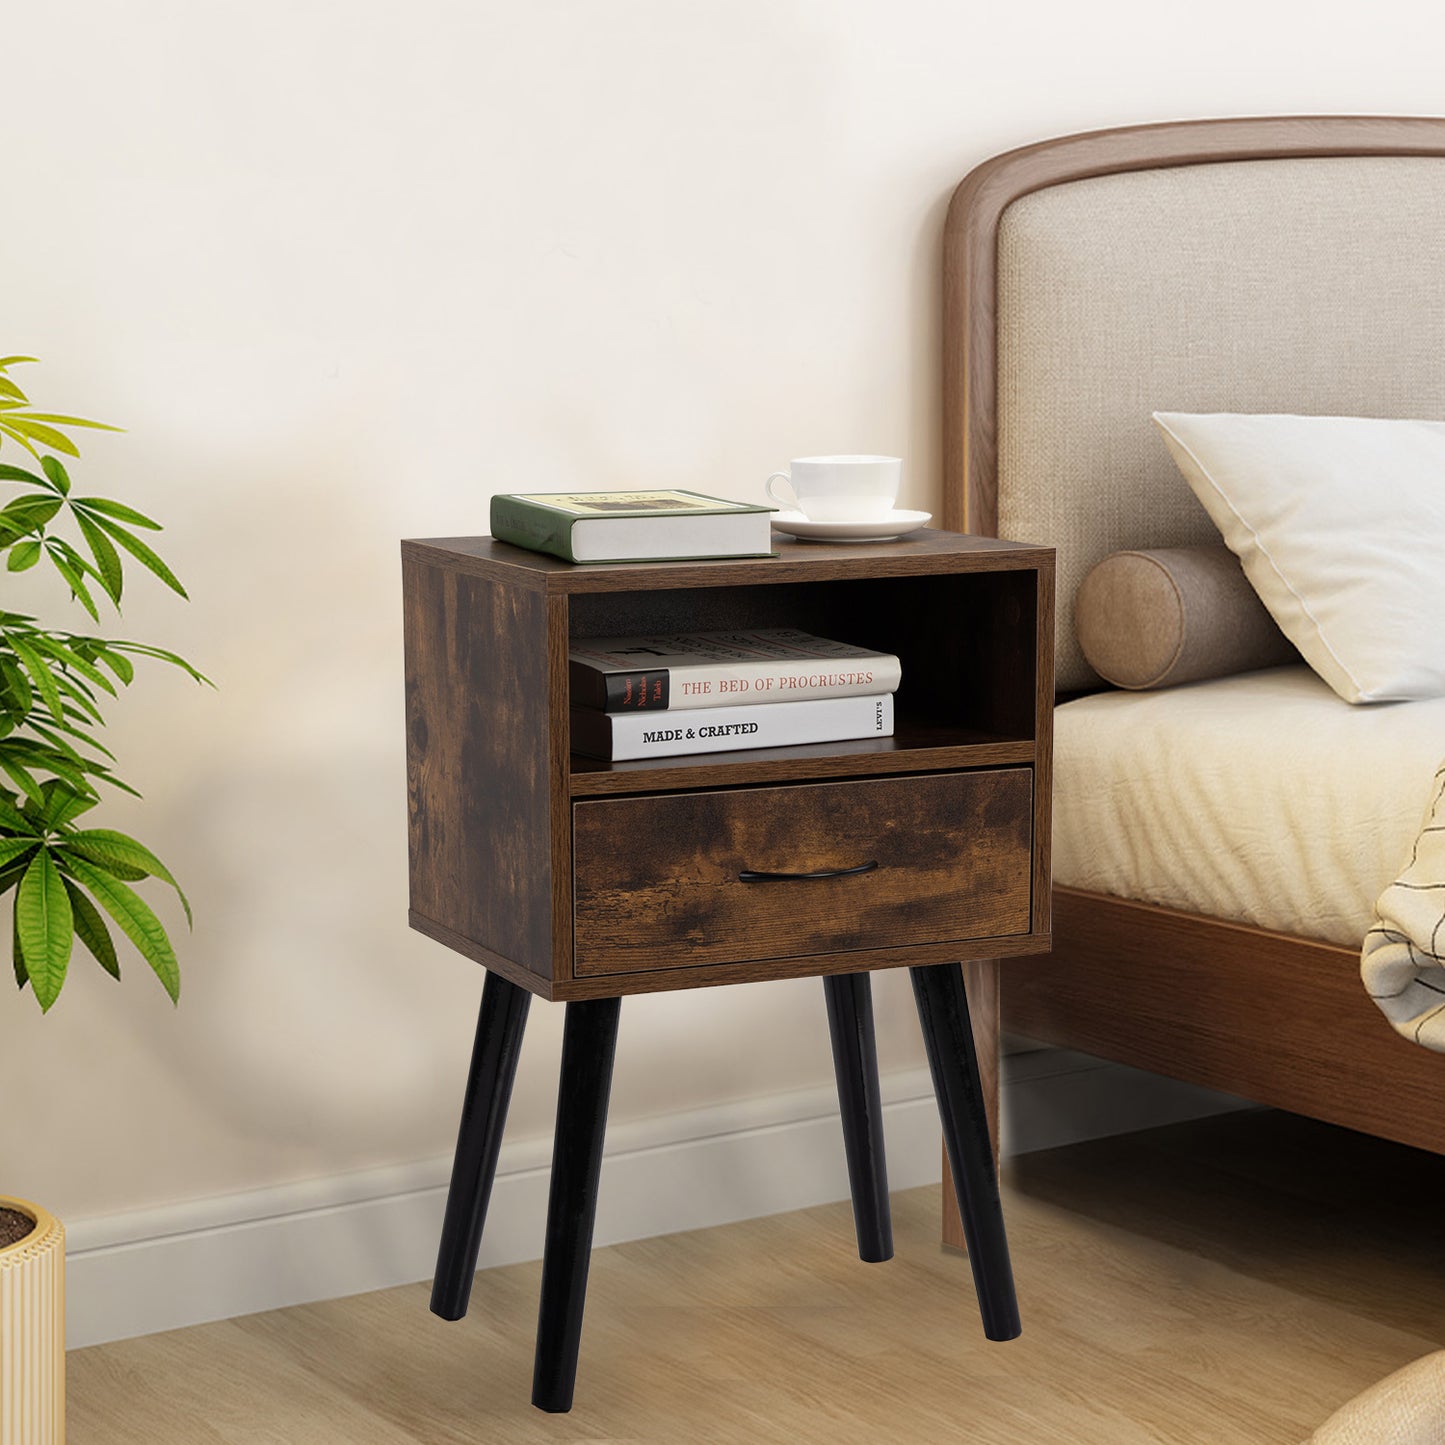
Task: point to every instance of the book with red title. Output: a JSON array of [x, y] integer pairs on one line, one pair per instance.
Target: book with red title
[[676, 671]]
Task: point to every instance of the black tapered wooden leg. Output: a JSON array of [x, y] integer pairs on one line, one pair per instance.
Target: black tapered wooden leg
[[589, 1043], [498, 1045], [855, 1065], [948, 1038]]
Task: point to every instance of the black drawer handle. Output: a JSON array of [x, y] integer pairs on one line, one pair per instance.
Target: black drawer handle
[[748, 875]]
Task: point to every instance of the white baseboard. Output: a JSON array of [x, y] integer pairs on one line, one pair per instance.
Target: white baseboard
[[185, 1264]]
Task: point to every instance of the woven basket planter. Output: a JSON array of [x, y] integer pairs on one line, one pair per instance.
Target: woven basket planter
[[32, 1332]]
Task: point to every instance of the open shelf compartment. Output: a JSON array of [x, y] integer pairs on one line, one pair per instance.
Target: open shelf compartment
[[966, 642]]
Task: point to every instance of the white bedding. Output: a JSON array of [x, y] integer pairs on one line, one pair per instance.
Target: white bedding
[[1263, 798]]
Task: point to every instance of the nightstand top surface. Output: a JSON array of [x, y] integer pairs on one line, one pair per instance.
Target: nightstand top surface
[[925, 551]]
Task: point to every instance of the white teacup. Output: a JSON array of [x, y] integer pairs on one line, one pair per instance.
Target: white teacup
[[840, 489]]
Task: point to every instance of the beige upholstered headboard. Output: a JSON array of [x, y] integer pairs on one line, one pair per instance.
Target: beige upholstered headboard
[[1291, 265]]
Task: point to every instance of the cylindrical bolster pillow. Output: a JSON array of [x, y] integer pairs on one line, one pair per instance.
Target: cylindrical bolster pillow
[[1174, 614]]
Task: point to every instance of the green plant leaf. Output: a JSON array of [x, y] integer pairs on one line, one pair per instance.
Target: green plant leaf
[[78, 645], [108, 848], [15, 685], [46, 926], [49, 753], [16, 435], [37, 753], [19, 775], [41, 755], [121, 666], [136, 921], [40, 675], [107, 559], [20, 753], [49, 736], [59, 477], [141, 650], [118, 510], [72, 656], [124, 871], [69, 881], [90, 929], [13, 848], [17, 955], [58, 420], [83, 707], [142, 554], [106, 776], [80, 705], [13, 819], [52, 754], [39, 434], [62, 804], [23, 556], [52, 736], [73, 575], [27, 514]]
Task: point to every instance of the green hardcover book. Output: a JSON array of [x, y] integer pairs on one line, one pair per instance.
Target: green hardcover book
[[662, 526]]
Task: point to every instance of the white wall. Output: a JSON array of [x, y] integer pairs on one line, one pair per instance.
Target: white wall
[[344, 269]]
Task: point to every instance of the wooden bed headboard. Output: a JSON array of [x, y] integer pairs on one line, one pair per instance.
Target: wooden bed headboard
[[1288, 265]]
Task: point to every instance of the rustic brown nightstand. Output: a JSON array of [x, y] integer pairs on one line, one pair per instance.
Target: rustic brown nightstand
[[582, 881]]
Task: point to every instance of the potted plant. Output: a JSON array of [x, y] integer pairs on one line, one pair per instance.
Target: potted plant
[[70, 880]]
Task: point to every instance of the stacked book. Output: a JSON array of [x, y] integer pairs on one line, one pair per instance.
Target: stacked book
[[639, 526], [653, 697]]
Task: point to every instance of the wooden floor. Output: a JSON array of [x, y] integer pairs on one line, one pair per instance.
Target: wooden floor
[[1229, 1280]]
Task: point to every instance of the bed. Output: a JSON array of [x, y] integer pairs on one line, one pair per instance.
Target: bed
[[1288, 265]]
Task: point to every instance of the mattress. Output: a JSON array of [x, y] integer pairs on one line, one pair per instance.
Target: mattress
[[1262, 798]]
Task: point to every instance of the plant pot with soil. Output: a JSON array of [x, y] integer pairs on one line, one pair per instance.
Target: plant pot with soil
[[32, 1324], [69, 879]]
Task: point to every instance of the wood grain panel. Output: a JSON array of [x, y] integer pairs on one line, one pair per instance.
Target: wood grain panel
[[491, 777], [559, 761], [913, 748], [479, 760], [1044, 752], [767, 970], [926, 551], [657, 881], [1273, 1018]]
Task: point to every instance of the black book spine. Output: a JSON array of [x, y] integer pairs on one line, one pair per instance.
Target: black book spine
[[636, 691]]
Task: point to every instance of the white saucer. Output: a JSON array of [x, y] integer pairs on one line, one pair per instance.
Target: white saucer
[[881, 529]]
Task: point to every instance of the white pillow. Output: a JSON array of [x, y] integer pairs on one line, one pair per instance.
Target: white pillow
[[1340, 524]]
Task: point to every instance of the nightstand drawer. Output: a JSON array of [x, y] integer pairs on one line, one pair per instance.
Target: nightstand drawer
[[660, 880]]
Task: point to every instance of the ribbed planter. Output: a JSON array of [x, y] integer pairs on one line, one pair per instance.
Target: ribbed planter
[[32, 1332]]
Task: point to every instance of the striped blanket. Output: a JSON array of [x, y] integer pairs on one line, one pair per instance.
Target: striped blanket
[[1403, 960]]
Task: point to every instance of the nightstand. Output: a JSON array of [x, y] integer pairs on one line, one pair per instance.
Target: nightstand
[[584, 881]]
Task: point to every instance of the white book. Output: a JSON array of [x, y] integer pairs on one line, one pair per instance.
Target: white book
[[621, 737], [723, 669], [632, 526]]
